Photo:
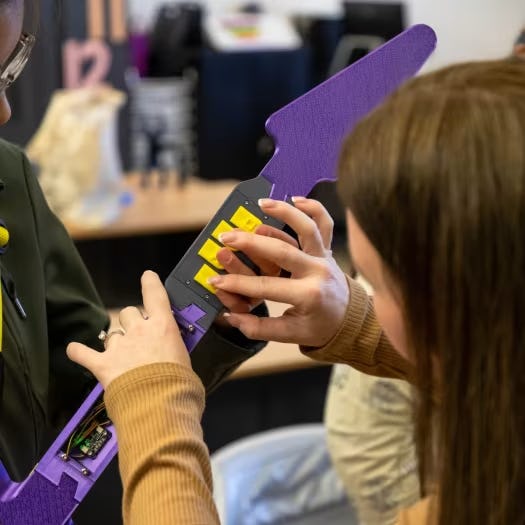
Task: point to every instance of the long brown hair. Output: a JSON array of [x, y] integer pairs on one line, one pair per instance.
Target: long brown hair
[[435, 177]]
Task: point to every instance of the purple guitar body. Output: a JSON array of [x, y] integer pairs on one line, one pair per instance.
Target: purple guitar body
[[308, 134]]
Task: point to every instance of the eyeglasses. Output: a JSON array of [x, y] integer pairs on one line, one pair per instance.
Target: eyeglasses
[[15, 64]]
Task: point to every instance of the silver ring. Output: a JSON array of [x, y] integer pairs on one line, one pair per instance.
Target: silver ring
[[105, 336]]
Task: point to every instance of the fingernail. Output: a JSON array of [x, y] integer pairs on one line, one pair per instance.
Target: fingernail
[[226, 256], [214, 281], [266, 203], [227, 237], [298, 199], [231, 320]]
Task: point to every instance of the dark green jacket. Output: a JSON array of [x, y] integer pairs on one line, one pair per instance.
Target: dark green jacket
[[40, 387]]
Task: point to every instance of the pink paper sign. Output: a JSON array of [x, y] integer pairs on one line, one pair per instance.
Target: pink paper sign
[[95, 54]]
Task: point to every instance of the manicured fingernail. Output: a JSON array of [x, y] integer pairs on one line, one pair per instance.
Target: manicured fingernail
[[298, 199], [231, 320], [227, 237], [266, 203], [214, 281]]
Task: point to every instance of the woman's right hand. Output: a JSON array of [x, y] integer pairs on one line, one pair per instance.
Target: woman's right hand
[[317, 289]]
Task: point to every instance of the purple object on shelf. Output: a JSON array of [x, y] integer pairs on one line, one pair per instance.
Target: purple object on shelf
[[139, 48], [308, 134]]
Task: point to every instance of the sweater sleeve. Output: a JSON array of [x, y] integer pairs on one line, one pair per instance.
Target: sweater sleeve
[[163, 461], [361, 343]]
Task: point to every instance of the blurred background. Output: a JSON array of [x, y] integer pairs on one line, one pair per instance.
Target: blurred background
[[197, 81]]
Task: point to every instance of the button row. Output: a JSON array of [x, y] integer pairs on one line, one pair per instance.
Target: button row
[[242, 219]]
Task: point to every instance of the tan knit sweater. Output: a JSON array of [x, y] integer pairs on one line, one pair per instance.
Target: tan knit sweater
[[156, 409]]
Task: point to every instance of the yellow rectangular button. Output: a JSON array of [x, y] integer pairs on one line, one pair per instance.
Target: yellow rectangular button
[[203, 275], [223, 227], [245, 220], [209, 253]]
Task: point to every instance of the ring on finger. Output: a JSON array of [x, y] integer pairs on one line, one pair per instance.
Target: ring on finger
[[105, 336]]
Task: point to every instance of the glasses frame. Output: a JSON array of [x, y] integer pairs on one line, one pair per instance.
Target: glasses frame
[[17, 61]]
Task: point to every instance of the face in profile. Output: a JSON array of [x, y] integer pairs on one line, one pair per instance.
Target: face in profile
[[11, 22], [369, 265]]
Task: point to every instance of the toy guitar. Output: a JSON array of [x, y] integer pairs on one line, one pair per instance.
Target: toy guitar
[[308, 134]]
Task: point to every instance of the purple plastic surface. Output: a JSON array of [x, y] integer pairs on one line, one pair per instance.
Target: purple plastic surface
[[54, 490], [188, 320], [308, 134], [309, 131]]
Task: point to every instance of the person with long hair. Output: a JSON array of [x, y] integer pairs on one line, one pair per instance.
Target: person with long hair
[[434, 186]]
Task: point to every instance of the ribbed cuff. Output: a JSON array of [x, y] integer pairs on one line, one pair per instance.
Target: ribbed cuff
[[132, 384], [352, 326], [360, 341]]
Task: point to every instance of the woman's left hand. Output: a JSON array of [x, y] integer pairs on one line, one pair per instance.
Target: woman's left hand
[[151, 336]]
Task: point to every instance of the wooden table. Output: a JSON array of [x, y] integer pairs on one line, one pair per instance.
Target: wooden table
[[156, 210]]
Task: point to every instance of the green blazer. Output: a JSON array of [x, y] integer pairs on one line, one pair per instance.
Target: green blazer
[[40, 387]]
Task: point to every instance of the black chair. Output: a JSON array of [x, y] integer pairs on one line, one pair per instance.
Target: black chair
[[366, 26]]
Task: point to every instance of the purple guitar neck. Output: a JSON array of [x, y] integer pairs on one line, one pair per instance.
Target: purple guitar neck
[[309, 131], [308, 134]]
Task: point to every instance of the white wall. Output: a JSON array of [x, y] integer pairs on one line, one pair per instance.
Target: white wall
[[466, 29], [328, 8], [469, 29]]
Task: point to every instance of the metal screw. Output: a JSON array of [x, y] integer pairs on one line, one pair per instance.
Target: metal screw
[[247, 203], [85, 472], [207, 297], [266, 217], [191, 329], [64, 456], [188, 282]]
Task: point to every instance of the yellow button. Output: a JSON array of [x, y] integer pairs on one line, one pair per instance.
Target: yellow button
[[209, 253], [223, 227], [245, 220], [203, 275]]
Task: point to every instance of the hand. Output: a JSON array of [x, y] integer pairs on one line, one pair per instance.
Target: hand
[[232, 264], [150, 337], [317, 290]]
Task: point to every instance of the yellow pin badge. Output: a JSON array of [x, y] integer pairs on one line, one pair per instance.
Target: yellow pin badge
[[4, 243], [4, 238]]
